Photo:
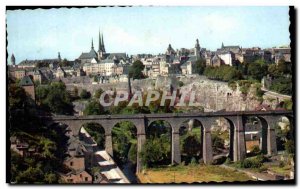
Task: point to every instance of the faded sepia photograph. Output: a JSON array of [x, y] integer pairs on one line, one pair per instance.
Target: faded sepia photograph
[[150, 95]]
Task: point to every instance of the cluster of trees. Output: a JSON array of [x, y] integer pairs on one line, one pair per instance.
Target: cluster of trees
[[54, 98], [24, 124], [157, 148], [97, 132], [124, 143], [281, 73], [285, 138], [136, 70], [223, 73]]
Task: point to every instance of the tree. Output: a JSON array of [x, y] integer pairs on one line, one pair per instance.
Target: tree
[[17, 96], [153, 152], [217, 142], [97, 132], [257, 70], [282, 85], [98, 93], [289, 146], [191, 145], [58, 100], [75, 92], [51, 178], [85, 94], [135, 70], [93, 108], [284, 67], [132, 153], [200, 66], [273, 71]]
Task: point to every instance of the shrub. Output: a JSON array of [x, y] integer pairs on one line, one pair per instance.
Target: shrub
[[281, 164], [232, 85], [193, 161], [219, 160], [251, 163], [180, 83], [85, 94], [289, 147], [254, 162], [255, 149], [228, 161]]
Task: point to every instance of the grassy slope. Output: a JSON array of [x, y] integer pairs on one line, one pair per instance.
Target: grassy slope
[[190, 174]]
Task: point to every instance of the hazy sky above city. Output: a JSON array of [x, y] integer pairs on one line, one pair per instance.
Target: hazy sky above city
[[39, 34]]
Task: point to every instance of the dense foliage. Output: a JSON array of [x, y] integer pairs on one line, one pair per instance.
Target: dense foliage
[[47, 145], [124, 143], [280, 73], [136, 70], [54, 98], [223, 73], [93, 108], [97, 132]]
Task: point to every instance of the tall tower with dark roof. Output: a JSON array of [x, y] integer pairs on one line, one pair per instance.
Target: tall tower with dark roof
[[102, 42], [13, 60], [197, 49], [59, 57], [101, 48], [92, 44]]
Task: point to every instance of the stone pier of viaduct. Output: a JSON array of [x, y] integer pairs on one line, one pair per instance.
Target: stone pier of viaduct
[[268, 120]]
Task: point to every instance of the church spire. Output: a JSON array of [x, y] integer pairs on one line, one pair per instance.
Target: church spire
[[92, 44], [102, 43], [197, 45]]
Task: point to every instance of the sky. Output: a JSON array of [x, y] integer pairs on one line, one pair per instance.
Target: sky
[[42, 33]]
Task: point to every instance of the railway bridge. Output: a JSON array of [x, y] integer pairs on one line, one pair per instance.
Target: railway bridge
[[236, 120]]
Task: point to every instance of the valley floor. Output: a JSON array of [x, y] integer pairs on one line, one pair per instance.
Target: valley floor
[[190, 174]]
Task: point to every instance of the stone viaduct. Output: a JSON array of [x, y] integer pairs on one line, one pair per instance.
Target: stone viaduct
[[268, 120]]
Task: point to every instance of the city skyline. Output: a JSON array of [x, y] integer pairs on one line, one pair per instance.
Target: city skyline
[[136, 30]]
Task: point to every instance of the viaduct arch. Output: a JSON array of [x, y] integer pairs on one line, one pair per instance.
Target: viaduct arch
[[207, 119]]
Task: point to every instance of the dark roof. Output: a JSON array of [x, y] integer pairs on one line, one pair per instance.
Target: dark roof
[[117, 55], [89, 55], [26, 81], [107, 61], [34, 62]]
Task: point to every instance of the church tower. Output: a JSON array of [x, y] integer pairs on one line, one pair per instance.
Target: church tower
[[92, 48], [13, 60], [59, 57], [101, 48], [197, 49]]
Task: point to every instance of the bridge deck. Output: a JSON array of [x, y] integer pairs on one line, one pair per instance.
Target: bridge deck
[[170, 115]]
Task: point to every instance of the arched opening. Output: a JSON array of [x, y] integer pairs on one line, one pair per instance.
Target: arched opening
[[191, 141], [124, 140], [256, 131], [93, 133], [157, 148], [92, 137], [222, 134]]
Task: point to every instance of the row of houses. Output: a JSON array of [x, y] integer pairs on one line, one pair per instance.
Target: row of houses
[[180, 61], [183, 61]]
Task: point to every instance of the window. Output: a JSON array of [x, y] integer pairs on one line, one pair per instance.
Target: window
[[80, 175], [86, 178], [71, 163]]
